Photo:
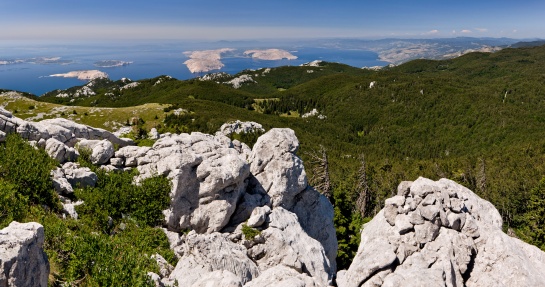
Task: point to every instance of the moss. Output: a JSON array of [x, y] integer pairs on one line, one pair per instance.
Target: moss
[[249, 232]]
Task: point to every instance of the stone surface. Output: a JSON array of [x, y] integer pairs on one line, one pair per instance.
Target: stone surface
[[100, 150], [277, 167], [59, 151], [287, 244], [79, 176], [202, 254], [22, 259], [259, 216], [457, 241], [282, 276]]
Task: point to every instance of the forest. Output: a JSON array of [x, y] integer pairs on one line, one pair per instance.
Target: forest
[[478, 119]]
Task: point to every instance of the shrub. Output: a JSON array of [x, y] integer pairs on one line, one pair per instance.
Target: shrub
[[13, 205], [28, 169], [249, 232], [116, 196]]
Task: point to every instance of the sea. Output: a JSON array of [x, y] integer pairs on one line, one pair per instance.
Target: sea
[[27, 68]]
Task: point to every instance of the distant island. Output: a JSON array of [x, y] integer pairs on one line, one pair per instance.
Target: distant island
[[204, 61], [83, 75], [208, 60], [111, 63], [270, 54]]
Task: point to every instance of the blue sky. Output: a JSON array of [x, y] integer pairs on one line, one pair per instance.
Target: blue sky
[[57, 20]]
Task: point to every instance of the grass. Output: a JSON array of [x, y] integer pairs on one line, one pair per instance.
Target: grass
[[107, 118]]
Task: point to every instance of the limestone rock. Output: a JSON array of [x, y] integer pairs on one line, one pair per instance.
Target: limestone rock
[[278, 169], [239, 127], [259, 216], [282, 276], [457, 241], [79, 176], [22, 259], [101, 150], [315, 215], [202, 254], [287, 244], [59, 151]]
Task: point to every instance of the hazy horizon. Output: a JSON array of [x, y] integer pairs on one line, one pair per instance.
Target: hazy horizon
[[215, 20]]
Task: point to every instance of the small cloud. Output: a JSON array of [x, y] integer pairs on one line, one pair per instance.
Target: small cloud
[[465, 31], [453, 31], [515, 30], [482, 30], [432, 32]]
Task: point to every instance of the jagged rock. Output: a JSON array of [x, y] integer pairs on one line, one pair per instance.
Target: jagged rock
[[62, 186], [219, 278], [239, 127], [259, 216], [286, 243], [153, 134], [87, 132], [60, 129], [79, 176], [278, 169], [457, 241], [22, 259], [59, 151], [69, 208], [101, 150], [282, 276], [2, 136], [202, 254], [314, 213]]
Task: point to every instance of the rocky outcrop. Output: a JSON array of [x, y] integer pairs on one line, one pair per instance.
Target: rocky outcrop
[[238, 127], [218, 198], [438, 233], [22, 260], [63, 130], [235, 213]]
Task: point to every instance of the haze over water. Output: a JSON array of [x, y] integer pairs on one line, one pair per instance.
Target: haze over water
[[148, 61]]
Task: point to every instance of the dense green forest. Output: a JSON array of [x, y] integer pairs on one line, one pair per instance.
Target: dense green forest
[[478, 119]]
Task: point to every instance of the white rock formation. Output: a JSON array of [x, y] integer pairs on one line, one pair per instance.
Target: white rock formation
[[86, 75], [238, 81], [205, 61], [100, 150], [239, 127], [438, 233], [22, 259], [270, 54]]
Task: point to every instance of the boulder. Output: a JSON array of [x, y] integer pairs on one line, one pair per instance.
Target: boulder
[[59, 151], [79, 176], [282, 276], [100, 150], [456, 240], [277, 167], [22, 259], [203, 254], [286, 243]]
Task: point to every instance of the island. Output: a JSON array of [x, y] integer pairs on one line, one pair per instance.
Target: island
[[270, 54], [205, 61], [86, 75]]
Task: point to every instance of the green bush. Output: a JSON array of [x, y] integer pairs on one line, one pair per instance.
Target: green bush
[[28, 169], [13, 205], [116, 196], [80, 256], [249, 232]]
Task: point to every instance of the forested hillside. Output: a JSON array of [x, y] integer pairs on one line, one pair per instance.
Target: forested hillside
[[478, 119]]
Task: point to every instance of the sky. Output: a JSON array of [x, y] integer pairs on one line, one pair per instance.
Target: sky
[[118, 20]]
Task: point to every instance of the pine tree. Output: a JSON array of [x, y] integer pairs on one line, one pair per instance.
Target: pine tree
[[362, 188], [320, 172]]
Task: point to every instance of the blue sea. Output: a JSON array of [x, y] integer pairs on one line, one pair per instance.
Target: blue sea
[[147, 61]]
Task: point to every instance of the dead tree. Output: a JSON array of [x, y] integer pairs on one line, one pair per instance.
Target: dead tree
[[362, 188], [320, 172], [481, 182]]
